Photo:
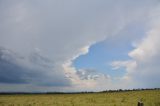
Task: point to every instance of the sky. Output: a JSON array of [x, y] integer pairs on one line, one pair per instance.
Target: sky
[[79, 45]]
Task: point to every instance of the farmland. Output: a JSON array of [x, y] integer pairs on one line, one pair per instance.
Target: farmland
[[127, 98]]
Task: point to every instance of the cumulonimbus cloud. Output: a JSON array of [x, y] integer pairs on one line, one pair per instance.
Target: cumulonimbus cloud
[[47, 36], [143, 67]]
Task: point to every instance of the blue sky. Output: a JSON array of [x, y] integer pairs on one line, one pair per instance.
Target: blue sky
[[100, 57], [103, 53], [79, 45]]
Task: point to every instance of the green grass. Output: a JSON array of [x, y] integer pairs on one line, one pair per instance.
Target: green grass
[[130, 98]]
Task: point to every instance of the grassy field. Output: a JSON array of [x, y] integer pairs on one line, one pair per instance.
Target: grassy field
[[130, 98]]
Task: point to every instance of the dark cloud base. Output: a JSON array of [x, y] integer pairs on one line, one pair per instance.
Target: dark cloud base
[[12, 72]]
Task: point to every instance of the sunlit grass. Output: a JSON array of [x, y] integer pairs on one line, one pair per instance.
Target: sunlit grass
[[130, 98]]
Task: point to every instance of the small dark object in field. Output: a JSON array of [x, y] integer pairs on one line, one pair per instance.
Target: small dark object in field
[[140, 104]]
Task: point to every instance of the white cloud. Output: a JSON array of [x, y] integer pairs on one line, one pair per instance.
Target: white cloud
[[129, 65], [62, 31], [143, 68]]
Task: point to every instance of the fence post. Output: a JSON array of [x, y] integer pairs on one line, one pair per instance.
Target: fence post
[[140, 104]]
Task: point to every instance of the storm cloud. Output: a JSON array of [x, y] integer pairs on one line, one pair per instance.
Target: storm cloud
[[39, 40], [14, 70]]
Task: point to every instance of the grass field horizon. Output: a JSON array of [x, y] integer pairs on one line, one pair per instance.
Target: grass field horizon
[[66, 52], [125, 98]]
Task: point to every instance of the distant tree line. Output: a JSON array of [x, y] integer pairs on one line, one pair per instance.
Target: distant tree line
[[124, 90], [86, 92]]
